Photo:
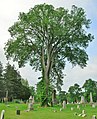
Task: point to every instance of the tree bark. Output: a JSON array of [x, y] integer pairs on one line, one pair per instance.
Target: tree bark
[[46, 67]]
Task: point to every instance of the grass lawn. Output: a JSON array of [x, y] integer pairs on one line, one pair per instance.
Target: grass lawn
[[46, 113]]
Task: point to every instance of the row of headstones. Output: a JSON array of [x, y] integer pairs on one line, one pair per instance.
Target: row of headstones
[[83, 114], [83, 100]]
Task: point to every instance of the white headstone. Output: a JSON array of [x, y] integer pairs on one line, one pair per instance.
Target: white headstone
[[84, 115], [61, 109], [94, 117], [91, 99], [71, 108], [2, 114], [93, 105], [83, 111], [64, 104], [80, 115], [67, 102]]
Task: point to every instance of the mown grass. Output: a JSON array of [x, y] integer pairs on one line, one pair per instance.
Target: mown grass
[[46, 112]]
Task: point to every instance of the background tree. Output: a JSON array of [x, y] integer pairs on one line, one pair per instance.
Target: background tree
[[25, 93], [25, 82], [1, 81], [48, 37], [62, 96], [32, 90], [90, 86], [41, 93], [75, 93], [25, 90], [12, 82]]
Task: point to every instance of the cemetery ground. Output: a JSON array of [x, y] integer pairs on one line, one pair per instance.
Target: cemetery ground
[[47, 112]]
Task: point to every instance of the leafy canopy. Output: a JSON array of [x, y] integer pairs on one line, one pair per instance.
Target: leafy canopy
[[44, 26], [47, 37]]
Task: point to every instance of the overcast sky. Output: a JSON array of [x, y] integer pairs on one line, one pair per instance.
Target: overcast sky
[[9, 11]]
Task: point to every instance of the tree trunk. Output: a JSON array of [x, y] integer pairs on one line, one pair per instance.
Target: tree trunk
[[46, 68], [45, 98]]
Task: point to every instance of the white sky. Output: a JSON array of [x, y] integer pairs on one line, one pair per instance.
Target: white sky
[[9, 11]]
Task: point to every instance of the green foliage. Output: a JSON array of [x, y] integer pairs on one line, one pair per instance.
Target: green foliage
[[75, 93], [41, 92], [12, 81], [62, 96], [32, 90], [24, 93], [25, 82], [90, 86], [45, 26]]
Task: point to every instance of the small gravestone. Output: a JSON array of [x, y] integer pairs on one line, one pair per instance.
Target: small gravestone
[[2, 114], [71, 108], [79, 115], [61, 109], [18, 112], [67, 102], [83, 111], [55, 110], [94, 117], [84, 115], [64, 104], [93, 105]]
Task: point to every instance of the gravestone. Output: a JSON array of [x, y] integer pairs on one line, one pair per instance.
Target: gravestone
[[94, 117], [68, 102], [64, 104], [82, 100], [91, 99], [61, 109], [2, 114], [30, 104], [71, 108], [18, 112], [83, 113], [93, 105]]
